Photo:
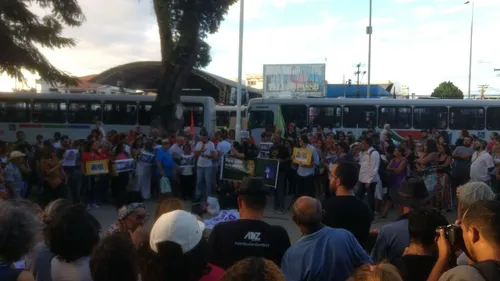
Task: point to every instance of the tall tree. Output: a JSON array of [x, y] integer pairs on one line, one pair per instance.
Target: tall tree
[[21, 31], [447, 90], [184, 26]]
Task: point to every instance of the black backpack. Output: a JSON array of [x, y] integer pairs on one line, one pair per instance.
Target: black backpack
[[489, 269]]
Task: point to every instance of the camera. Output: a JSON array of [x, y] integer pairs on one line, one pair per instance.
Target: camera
[[453, 233]]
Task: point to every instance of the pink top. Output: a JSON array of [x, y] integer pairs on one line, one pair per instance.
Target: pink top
[[215, 274]]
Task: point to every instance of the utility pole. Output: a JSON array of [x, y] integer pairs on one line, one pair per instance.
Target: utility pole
[[482, 90], [357, 73]]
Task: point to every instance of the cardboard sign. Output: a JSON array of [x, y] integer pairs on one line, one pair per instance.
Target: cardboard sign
[[268, 170], [125, 165], [96, 167], [234, 169], [264, 148], [187, 161], [302, 156], [69, 157]]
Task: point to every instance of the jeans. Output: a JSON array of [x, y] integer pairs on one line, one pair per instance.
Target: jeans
[[361, 190], [203, 174], [279, 192]]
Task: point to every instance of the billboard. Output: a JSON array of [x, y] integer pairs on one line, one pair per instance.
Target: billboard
[[294, 80]]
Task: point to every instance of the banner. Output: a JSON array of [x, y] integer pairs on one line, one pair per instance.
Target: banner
[[235, 169], [267, 169], [125, 165], [96, 167], [69, 157], [294, 80], [264, 148], [223, 216], [187, 161], [302, 156]]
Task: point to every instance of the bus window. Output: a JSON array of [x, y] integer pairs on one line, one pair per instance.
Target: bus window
[[145, 114], [223, 118], [492, 117], [397, 117], [325, 116], [469, 118], [48, 112], [197, 110], [81, 112], [296, 114], [260, 119], [120, 113], [14, 111], [430, 117], [360, 116]]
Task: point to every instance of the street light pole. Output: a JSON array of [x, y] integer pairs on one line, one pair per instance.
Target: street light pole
[[470, 47], [369, 32], [240, 73]]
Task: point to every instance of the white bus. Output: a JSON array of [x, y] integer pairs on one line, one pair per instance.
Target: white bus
[[224, 114], [73, 114], [406, 117]]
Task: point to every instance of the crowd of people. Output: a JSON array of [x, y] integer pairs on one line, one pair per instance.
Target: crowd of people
[[45, 191]]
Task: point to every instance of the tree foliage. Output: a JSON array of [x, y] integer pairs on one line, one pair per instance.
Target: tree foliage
[[184, 26], [22, 33], [447, 90]]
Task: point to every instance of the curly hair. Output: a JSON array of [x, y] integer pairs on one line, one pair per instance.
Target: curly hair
[[253, 269], [73, 234], [383, 271], [19, 229], [114, 259], [47, 215]]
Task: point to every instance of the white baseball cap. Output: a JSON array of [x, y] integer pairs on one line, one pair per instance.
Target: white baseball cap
[[178, 226]]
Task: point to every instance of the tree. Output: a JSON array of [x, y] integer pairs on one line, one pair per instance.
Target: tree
[[447, 90], [184, 26], [21, 31]]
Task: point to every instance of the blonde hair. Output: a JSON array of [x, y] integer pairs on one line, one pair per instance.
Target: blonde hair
[[383, 271], [168, 204]]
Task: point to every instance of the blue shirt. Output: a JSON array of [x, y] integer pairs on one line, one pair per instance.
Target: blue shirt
[[329, 254], [166, 160]]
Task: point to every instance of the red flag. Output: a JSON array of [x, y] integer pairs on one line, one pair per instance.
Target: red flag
[[191, 127]]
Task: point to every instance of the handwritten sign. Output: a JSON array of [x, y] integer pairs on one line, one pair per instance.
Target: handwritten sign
[[302, 156], [223, 216], [69, 157], [124, 165], [264, 148], [96, 167]]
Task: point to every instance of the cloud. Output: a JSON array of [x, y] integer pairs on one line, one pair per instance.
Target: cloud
[[424, 12]]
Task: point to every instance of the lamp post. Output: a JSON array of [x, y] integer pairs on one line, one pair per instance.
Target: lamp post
[[470, 47], [369, 32], [240, 73]]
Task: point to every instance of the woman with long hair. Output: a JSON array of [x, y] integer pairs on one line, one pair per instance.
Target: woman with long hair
[[427, 165], [443, 187], [53, 177], [397, 169]]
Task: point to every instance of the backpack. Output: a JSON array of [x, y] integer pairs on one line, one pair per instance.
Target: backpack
[[382, 173], [489, 269]]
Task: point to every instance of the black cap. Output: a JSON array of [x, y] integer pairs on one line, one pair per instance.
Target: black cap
[[253, 186]]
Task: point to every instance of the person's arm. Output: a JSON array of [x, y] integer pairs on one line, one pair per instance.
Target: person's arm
[[374, 158], [446, 163], [360, 255], [379, 251], [427, 159], [442, 264], [25, 276], [159, 163], [213, 152], [401, 167]]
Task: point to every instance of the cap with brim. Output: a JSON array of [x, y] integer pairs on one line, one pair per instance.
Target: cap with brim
[[16, 154], [179, 227], [253, 186]]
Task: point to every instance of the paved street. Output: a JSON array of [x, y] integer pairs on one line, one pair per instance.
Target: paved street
[[107, 214]]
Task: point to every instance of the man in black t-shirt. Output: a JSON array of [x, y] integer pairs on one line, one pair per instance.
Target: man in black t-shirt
[[346, 210], [249, 236], [280, 152]]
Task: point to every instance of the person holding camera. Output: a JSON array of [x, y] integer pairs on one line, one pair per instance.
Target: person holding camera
[[479, 237]]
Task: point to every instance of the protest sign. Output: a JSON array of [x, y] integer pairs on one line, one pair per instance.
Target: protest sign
[[96, 167], [69, 157], [264, 148], [267, 169], [187, 161], [223, 216], [302, 156], [235, 169], [124, 165], [146, 157]]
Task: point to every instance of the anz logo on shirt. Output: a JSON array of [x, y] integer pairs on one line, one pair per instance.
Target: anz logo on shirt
[[253, 236]]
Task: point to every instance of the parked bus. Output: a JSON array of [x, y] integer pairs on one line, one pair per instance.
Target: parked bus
[[74, 114], [224, 114], [406, 117]]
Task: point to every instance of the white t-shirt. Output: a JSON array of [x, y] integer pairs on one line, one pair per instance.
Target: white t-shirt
[[480, 164], [207, 151], [76, 271]]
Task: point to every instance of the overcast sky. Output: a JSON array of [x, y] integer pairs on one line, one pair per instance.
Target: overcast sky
[[415, 42]]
